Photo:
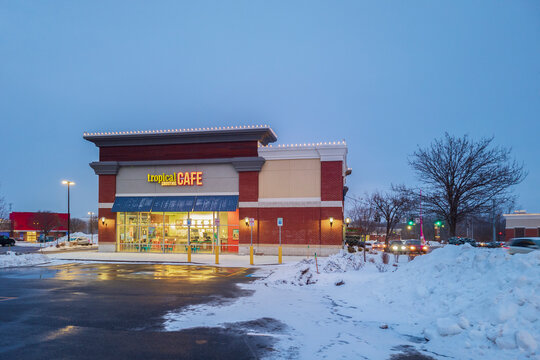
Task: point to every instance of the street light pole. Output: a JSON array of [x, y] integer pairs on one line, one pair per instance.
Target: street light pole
[[91, 226], [68, 183]]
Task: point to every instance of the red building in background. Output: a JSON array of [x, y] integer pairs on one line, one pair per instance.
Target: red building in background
[[28, 226]]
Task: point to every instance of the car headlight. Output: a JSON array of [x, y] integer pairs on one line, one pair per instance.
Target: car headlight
[[403, 248], [394, 247], [413, 247]]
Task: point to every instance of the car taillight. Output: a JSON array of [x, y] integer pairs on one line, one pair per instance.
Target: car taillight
[[424, 247], [506, 247]]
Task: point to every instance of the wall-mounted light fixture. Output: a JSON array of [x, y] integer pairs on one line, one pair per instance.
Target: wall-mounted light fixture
[[347, 221], [103, 220], [331, 221], [247, 221]]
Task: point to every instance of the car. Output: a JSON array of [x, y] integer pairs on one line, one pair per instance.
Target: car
[[397, 247], [523, 245], [377, 245], [416, 247], [6, 241], [79, 240]]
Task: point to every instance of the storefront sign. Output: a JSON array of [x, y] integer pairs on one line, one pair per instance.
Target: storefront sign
[[193, 178]]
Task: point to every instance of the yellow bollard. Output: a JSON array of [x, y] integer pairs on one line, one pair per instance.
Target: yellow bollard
[[217, 254], [189, 253], [279, 255], [251, 255]]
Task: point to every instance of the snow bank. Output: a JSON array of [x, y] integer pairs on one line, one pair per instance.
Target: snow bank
[[480, 296], [12, 259], [458, 301], [51, 245], [79, 234]]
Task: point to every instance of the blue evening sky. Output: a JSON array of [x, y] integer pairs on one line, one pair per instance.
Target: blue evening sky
[[383, 75]]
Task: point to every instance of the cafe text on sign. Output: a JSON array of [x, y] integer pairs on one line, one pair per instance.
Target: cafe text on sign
[[189, 178]]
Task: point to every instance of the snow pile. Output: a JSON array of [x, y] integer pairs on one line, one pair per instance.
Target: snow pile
[[308, 271], [12, 259], [78, 234], [481, 296], [457, 302]]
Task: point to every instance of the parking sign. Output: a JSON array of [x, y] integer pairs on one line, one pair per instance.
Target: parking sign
[[251, 221], [279, 221]]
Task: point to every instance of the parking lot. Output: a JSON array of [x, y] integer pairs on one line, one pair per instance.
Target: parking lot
[[105, 311]]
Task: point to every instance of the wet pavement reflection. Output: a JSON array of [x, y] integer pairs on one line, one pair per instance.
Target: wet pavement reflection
[[96, 310]]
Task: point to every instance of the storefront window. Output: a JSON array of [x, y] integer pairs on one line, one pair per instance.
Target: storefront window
[[168, 232]]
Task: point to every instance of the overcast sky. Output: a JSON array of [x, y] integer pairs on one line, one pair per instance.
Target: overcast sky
[[386, 76]]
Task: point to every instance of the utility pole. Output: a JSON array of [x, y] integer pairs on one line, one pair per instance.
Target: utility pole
[[493, 221]]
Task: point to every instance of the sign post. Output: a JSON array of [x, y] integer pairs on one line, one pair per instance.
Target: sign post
[[216, 239], [280, 251], [188, 221], [251, 223]]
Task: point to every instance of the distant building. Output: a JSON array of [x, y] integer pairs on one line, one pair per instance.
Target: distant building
[[521, 223], [25, 225]]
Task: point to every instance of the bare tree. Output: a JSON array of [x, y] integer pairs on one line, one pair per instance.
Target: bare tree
[[392, 206], [463, 177], [46, 221], [78, 225], [3, 208], [363, 215]]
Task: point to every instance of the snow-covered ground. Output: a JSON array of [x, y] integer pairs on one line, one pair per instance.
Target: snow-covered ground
[[12, 259], [457, 302]]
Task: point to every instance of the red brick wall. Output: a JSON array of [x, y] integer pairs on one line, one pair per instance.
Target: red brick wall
[[509, 233], [107, 192], [245, 229], [531, 232], [300, 225], [178, 151], [309, 226], [248, 184], [107, 231], [107, 188], [332, 234], [331, 181]]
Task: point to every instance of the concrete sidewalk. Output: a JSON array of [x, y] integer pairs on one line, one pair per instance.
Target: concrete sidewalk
[[226, 260]]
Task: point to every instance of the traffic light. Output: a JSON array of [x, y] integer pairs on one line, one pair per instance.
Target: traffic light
[[438, 223], [411, 223]]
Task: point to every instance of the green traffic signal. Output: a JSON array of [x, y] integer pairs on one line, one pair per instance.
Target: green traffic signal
[[411, 223]]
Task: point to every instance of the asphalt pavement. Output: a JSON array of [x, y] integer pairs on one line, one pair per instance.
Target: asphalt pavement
[[115, 311], [19, 249]]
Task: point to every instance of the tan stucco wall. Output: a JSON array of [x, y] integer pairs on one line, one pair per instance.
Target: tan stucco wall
[[525, 221], [300, 178]]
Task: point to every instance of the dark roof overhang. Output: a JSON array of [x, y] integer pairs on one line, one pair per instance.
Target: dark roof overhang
[[262, 134]]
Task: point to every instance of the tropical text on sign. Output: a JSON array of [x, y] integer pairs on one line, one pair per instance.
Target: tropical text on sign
[[188, 178]]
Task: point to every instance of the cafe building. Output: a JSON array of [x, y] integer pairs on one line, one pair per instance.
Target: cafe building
[[218, 188]]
